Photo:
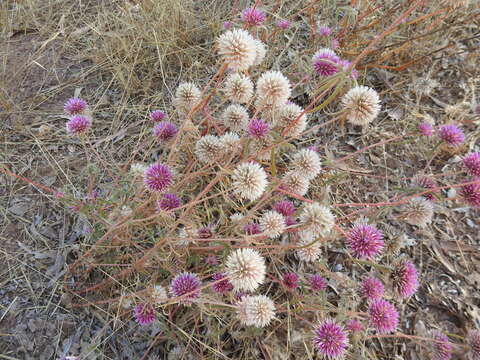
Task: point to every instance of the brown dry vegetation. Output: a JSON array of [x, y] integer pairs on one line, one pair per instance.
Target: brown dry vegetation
[[126, 58]]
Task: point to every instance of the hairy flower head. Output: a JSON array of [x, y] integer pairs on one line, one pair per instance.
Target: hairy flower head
[[75, 106], [317, 218], [245, 269], [78, 125], [451, 134], [165, 130], [372, 288], [158, 177], [441, 348], [249, 180], [318, 283], [144, 314], [208, 148], [168, 202], [471, 162], [237, 49], [272, 89], [307, 163], [404, 279], [325, 62], [235, 117], [187, 96], [238, 88], [365, 241], [272, 224], [257, 310], [471, 194], [253, 16], [187, 285], [418, 211], [221, 283], [361, 105], [291, 116], [308, 249], [295, 183], [257, 128], [383, 316], [330, 339]]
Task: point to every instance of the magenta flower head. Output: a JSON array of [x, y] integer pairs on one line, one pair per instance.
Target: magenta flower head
[[290, 280], [227, 25], [168, 202], [205, 232], [472, 163], [285, 207], [425, 182], [354, 326], [157, 115], [473, 341], [405, 279], [324, 31], [451, 134], [365, 241], [75, 106], [253, 16], [372, 288], [158, 177], [283, 24], [187, 284], [165, 130], [78, 125], [290, 221], [252, 228], [257, 128], [345, 64], [426, 129], [317, 283], [330, 339], [441, 347], [325, 62], [471, 194], [223, 286], [383, 316], [144, 314]]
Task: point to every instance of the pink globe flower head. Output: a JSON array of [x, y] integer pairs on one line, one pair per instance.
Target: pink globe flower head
[[471, 194], [425, 182], [168, 202], [335, 44], [75, 106], [165, 130], [472, 163], [451, 134], [223, 286], [441, 347], [383, 316], [318, 283], [252, 228], [157, 115], [325, 62], [78, 125], [372, 289], [324, 31], [257, 128], [330, 339], [187, 285], [345, 64], [283, 24], [205, 232], [473, 341], [158, 177], [290, 280], [405, 279], [426, 129], [211, 260], [354, 326], [313, 148], [227, 25], [290, 221], [285, 207], [253, 16], [365, 241], [144, 314]]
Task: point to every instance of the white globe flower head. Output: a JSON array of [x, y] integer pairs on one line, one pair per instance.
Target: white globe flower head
[[289, 114], [361, 105], [235, 117], [230, 143], [272, 224], [295, 183], [249, 180], [318, 219], [418, 211], [208, 148], [159, 294], [245, 268], [238, 88], [261, 51], [187, 96], [273, 89], [237, 49], [309, 250], [258, 310], [307, 163]]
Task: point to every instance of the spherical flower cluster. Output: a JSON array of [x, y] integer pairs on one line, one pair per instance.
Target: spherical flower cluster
[[283, 24], [425, 182], [272, 224], [295, 183], [144, 314], [290, 280], [473, 341], [205, 232], [221, 283], [472, 163], [137, 169], [237, 49], [441, 347], [471, 194], [318, 283], [285, 207], [186, 285], [307, 163], [165, 130], [168, 202], [158, 177], [75, 106], [230, 143], [365, 241], [418, 211], [273, 89], [235, 117], [158, 294], [324, 31], [187, 96], [345, 65], [258, 310], [372, 289], [227, 25], [451, 134], [252, 228], [238, 88], [426, 129], [354, 326], [245, 269], [253, 16], [383, 316], [317, 218], [325, 62], [157, 115], [405, 279], [330, 339], [292, 117], [361, 105], [78, 125], [308, 250], [261, 51], [257, 128], [249, 180], [208, 148]]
